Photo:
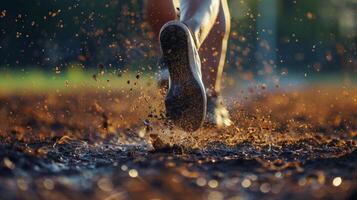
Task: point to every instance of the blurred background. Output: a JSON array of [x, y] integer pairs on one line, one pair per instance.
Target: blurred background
[[274, 38]]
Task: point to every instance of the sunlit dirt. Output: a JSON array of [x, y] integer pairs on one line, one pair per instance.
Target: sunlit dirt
[[117, 145]]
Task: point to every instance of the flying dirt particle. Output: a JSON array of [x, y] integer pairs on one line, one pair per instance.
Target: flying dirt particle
[[101, 69], [64, 140], [353, 133], [43, 151], [137, 76], [119, 74], [321, 178], [8, 163], [82, 58], [146, 122], [128, 82], [94, 77], [264, 86], [57, 70], [156, 142], [310, 15], [142, 132], [2, 13], [171, 165]]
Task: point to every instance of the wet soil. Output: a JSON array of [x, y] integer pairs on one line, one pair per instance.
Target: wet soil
[[104, 145]]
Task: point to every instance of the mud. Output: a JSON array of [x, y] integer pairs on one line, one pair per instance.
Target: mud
[[105, 145]]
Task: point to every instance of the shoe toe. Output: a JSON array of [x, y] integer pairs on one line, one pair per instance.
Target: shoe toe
[[217, 114], [218, 117]]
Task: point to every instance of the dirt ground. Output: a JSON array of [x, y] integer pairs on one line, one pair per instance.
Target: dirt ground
[[117, 145]]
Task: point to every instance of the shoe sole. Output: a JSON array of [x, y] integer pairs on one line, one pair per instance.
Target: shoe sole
[[186, 99]]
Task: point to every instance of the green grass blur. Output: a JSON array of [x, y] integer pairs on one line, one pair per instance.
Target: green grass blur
[[73, 79]]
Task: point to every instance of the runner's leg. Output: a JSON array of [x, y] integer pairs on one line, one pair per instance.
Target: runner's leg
[[214, 48]]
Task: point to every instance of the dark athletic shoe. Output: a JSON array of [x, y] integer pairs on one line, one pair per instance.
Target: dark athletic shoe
[[186, 98], [217, 113]]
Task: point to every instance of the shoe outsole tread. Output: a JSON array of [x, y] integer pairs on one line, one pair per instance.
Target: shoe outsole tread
[[186, 99]]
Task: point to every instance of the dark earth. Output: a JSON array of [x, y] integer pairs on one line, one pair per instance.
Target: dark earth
[[116, 145]]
